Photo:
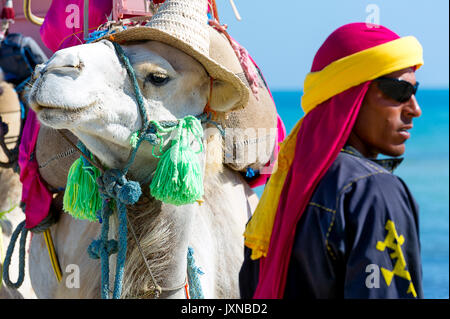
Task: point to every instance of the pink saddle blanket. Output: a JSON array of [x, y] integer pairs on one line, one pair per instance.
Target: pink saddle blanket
[[35, 195]]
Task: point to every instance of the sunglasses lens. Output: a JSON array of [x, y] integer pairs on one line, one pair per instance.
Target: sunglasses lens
[[398, 90]]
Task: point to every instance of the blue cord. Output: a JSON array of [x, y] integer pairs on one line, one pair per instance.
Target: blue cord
[[195, 287]]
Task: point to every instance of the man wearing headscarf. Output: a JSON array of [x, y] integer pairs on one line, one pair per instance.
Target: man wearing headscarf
[[333, 221]]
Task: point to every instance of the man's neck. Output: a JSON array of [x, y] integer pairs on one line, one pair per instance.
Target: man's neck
[[389, 164], [355, 142]]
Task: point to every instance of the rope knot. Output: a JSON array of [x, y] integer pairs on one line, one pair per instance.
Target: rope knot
[[113, 184], [96, 248]]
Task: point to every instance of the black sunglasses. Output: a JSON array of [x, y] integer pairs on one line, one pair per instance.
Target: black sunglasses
[[399, 90]]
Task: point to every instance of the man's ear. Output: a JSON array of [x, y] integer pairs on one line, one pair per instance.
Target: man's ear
[[224, 96]]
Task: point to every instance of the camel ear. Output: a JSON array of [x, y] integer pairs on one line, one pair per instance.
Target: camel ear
[[224, 96]]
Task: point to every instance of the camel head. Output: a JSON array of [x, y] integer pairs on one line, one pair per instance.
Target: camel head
[[86, 89]]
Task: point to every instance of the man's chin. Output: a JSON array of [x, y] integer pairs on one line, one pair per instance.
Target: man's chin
[[395, 151]]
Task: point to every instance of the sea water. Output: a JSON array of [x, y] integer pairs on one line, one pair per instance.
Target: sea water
[[425, 170]]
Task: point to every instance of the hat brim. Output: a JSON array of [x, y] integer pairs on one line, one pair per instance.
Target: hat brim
[[214, 69]]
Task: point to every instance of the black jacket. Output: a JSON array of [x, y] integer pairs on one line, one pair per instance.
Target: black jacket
[[358, 237]]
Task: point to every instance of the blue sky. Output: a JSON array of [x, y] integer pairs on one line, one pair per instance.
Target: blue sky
[[283, 36]]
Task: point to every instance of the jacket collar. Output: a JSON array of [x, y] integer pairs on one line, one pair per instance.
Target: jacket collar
[[389, 164]]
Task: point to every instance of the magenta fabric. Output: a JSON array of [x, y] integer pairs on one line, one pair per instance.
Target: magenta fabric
[[62, 29], [349, 39], [35, 194], [324, 131]]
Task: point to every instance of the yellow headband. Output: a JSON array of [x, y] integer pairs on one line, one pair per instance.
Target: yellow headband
[[358, 68]]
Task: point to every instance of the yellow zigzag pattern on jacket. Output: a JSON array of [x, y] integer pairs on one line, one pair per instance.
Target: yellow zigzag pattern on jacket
[[394, 242]]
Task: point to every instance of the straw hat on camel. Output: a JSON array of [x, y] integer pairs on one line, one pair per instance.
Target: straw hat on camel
[[183, 25]]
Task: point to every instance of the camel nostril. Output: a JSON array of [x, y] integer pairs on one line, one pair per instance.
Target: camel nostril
[[63, 60], [80, 65]]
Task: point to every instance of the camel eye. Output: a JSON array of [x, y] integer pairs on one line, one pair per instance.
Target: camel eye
[[157, 79]]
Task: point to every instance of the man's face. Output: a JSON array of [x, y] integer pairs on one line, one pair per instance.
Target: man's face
[[383, 123]]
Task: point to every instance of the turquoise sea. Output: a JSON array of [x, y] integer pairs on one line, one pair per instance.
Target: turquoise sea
[[426, 172]]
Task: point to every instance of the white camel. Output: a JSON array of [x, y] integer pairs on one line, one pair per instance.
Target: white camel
[[86, 90]]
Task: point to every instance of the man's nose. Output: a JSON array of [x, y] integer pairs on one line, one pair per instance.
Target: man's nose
[[412, 107]]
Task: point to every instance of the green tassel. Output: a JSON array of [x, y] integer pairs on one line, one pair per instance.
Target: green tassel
[[178, 178], [82, 199]]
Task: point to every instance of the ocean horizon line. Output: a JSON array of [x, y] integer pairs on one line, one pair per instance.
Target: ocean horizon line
[[287, 89]]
